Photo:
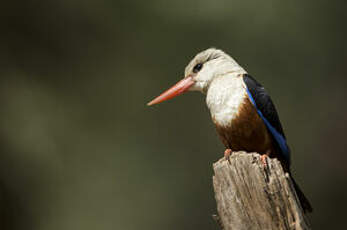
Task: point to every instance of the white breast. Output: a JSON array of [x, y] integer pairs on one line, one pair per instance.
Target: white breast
[[224, 97]]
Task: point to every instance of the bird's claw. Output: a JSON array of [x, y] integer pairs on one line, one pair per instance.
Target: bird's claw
[[227, 154], [263, 159]]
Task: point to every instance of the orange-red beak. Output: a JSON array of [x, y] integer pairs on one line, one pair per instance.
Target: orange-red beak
[[179, 88]]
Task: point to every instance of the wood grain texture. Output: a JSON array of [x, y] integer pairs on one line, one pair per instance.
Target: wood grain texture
[[250, 196]]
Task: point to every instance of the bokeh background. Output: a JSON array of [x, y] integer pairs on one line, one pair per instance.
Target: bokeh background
[[79, 148]]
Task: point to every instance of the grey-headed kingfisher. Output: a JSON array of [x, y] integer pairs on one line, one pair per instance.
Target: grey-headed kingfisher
[[243, 112]]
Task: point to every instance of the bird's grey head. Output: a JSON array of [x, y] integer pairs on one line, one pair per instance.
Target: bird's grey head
[[200, 72], [207, 65]]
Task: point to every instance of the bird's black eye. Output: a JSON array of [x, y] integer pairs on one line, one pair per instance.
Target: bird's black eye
[[197, 68]]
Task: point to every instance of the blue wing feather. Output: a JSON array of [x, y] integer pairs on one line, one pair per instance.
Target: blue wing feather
[[267, 111]]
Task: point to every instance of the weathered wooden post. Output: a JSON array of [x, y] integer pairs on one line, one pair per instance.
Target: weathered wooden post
[[250, 196]]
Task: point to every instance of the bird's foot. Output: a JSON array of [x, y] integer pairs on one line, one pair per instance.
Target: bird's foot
[[227, 154], [263, 160]]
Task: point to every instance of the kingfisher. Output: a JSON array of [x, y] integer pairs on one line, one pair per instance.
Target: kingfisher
[[242, 111]]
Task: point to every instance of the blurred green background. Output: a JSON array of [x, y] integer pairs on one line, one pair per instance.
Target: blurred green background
[[79, 147]]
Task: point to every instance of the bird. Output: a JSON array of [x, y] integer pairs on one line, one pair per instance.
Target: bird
[[244, 114]]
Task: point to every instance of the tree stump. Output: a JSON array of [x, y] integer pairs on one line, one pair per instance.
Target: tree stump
[[251, 196]]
